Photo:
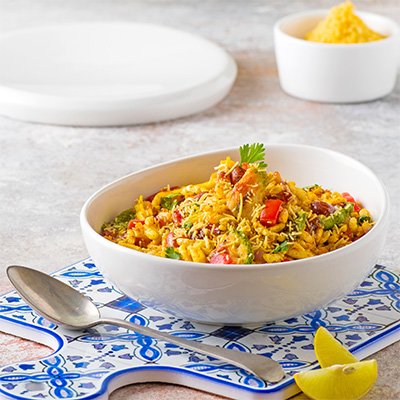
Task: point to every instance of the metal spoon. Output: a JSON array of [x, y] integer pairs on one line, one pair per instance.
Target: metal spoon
[[65, 306]]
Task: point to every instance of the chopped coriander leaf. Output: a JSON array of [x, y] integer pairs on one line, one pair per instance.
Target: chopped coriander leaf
[[300, 222], [187, 225], [169, 201], [311, 187], [253, 153], [364, 218], [170, 252], [125, 216], [120, 221], [338, 217], [284, 246], [108, 226]]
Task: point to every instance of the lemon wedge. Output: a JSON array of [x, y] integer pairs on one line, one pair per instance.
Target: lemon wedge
[[329, 351], [339, 382]]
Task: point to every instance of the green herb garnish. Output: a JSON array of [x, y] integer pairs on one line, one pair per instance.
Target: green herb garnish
[[169, 201], [170, 252], [125, 216], [338, 217], [187, 225], [311, 187], [120, 221], [300, 222], [281, 247], [363, 219], [253, 153]]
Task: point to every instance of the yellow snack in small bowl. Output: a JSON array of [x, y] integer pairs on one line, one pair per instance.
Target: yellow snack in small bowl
[[342, 25]]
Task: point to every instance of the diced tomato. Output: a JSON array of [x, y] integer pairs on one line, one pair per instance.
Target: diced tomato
[[221, 258], [350, 199], [132, 223], [270, 213], [177, 216], [171, 242], [161, 220]]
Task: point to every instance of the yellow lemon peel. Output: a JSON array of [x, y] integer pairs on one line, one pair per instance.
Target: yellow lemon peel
[[341, 377], [329, 351], [339, 382]]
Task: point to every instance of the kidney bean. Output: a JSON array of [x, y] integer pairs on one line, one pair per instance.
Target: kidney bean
[[313, 225], [320, 207], [237, 174], [142, 242], [258, 257]]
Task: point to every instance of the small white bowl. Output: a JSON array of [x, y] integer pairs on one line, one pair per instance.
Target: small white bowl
[[239, 294], [336, 73]]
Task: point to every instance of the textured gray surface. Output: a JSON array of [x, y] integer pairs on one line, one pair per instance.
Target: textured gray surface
[[47, 172]]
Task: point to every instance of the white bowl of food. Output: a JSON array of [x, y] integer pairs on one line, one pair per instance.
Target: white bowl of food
[[336, 72], [219, 293]]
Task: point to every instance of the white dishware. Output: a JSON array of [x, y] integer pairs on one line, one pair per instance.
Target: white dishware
[[117, 73], [336, 73], [239, 294]]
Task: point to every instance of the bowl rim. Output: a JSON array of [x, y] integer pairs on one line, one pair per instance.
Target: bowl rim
[[86, 226], [394, 36]]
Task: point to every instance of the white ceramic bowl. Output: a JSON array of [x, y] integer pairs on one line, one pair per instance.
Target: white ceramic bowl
[[238, 294], [336, 73]]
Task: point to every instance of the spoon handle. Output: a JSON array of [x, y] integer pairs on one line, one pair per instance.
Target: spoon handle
[[262, 366]]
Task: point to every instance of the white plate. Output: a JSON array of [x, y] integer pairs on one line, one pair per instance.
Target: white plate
[[110, 74]]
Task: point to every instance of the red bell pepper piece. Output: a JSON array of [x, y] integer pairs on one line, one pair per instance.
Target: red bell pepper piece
[[177, 216], [221, 258], [350, 199], [270, 213], [132, 223]]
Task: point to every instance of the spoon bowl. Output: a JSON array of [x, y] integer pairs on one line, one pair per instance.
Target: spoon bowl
[[53, 299]]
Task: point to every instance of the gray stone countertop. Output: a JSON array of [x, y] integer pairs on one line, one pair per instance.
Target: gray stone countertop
[[47, 172]]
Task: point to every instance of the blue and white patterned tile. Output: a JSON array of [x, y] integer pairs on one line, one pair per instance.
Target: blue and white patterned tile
[[85, 277], [88, 359], [379, 295], [57, 377]]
